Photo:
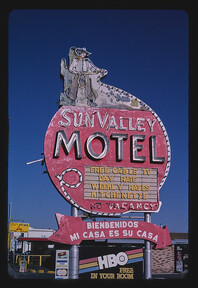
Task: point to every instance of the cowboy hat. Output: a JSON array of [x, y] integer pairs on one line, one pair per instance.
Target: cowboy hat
[[78, 51]]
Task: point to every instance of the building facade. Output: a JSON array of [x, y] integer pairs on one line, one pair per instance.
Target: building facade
[[173, 258], [33, 233]]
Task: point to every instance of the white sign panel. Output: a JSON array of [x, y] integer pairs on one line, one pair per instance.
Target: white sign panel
[[62, 264]]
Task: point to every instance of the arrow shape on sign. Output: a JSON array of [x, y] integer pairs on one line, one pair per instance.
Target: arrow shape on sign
[[73, 230]]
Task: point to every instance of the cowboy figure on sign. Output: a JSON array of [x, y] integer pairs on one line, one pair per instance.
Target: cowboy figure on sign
[[80, 79]]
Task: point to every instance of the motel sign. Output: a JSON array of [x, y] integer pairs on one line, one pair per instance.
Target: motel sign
[[107, 153]]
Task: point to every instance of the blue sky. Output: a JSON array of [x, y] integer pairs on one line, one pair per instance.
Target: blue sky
[[145, 53]]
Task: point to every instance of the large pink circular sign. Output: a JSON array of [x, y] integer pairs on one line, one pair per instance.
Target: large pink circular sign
[[107, 161]]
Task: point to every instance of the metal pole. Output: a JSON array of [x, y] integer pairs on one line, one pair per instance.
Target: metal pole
[[39, 160], [73, 253], [9, 220], [147, 252]]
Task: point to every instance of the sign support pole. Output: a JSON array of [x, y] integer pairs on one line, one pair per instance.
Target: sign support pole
[[73, 253], [147, 252]]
